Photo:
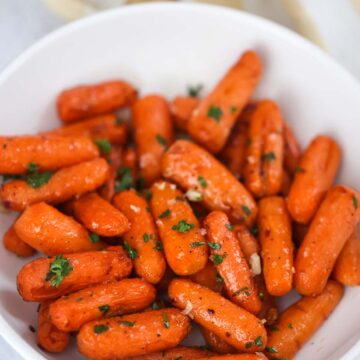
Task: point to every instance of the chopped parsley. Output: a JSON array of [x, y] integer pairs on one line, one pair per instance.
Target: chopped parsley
[[355, 202], [248, 345], [103, 145], [131, 252], [183, 226], [127, 323], [202, 182], [125, 180], [298, 169], [32, 167], [197, 243], [242, 290], [155, 306], [159, 246], [104, 309], [230, 227], [214, 246], [165, 214], [219, 278], [79, 299], [233, 109], [271, 350], [94, 238], [166, 320], [98, 329], [290, 326], [141, 182], [146, 237], [254, 230], [246, 210], [59, 268], [161, 140], [218, 259], [268, 156], [37, 179], [258, 341], [194, 91], [148, 195], [215, 113]]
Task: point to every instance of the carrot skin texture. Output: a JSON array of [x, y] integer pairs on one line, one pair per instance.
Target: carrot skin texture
[[228, 321], [256, 356], [153, 132], [181, 109], [13, 243], [292, 150], [248, 244], [89, 268], [208, 277], [49, 337], [47, 152], [239, 284], [215, 343], [230, 97], [126, 296], [223, 191], [84, 101], [317, 169], [276, 245], [160, 330], [332, 225], [182, 257], [149, 262], [62, 186], [305, 317]]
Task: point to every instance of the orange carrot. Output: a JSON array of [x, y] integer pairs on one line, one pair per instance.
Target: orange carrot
[[256, 356], [248, 244], [216, 343], [14, 244], [209, 277], [181, 109], [292, 150]]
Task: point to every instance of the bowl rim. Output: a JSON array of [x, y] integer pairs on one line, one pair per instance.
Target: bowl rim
[[21, 347]]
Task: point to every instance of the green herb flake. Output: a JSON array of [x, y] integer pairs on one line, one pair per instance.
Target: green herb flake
[[36, 179], [155, 306], [218, 259], [165, 214], [141, 182], [148, 195], [248, 142], [254, 230], [273, 328], [194, 91], [242, 290], [298, 169], [166, 320], [230, 227], [103, 145], [79, 299], [268, 156], [98, 329], [131, 252], [32, 167], [215, 113], [261, 296], [204, 347], [233, 109], [104, 309], [127, 323], [59, 268], [125, 180], [248, 345], [290, 326], [159, 246], [94, 238], [258, 341], [219, 278], [202, 182], [146, 237], [197, 244], [355, 202], [161, 140], [271, 350], [246, 210], [183, 226], [214, 246]]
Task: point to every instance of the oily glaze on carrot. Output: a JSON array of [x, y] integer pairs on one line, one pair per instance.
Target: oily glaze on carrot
[[179, 229], [149, 262], [132, 335], [179, 353], [189, 165], [181, 109], [292, 150], [232, 323], [256, 356], [88, 268], [313, 178], [85, 101], [276, 245], [153, 132], [127, 296], [263, 168], [212, 121], [248, 244], [209, 277], [332, 225], [46, 152], [62, 186], [13, 243], [300, 321], [230, 262], [216, 343]]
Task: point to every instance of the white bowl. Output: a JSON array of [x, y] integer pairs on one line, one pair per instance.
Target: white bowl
[[163, 48]]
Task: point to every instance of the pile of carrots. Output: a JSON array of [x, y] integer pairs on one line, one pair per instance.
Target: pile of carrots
[[198, 209]]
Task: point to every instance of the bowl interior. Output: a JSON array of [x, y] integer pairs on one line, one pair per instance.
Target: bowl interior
[[163, 48]]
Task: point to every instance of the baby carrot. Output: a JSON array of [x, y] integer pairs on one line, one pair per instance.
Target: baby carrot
[[132, 335], [248, 244], [256, 356], [57, 188], [141, 240], [184, 246], [216, 343], [18, 153], [301, 320], [181, 109], [85, 101], [229, 260], [49, 337], [209, 277], [127, 296], [153, 133], [194, 169], [43, 279], [211, 122], [13, 243], [292, 150], [232, 323], [276, 245], [332, 225], [313, 178]]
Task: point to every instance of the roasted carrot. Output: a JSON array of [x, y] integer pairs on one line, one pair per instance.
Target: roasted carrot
[[313, 178], [133, 335], [300, 321], [142, 239], [194, 169], [43, 279], [18, 153], [256, 356], [181, 109], [85, 101], [184, 246], [212, 121], [269, 310], [60, 187], [216, 343], [153, 134], [209, 277], [332, 225], [179, 353], [230, 322], [292, 150], [127, 296], [13, 243], [49, 337], [263, 168]]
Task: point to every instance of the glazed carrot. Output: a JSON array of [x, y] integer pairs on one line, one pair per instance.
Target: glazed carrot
[[85, 101], [184, 246], [216, 343], [49, 337], [127, 296], [47, 230], [99, 216], [132, 335], [263, 168], [256, 356], [84, 270], [347, 267], [292, 150], [276, 245], [301, 320], [60, 187], [232, 323], [209, 277], [142, 238], [179, 353], [314, 176], [248, 244], [269, 310], [181, 109], [13, 243], [230, 262], [153, 134], [332, 225], [211, 122], [193, 168], [17, 153]]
